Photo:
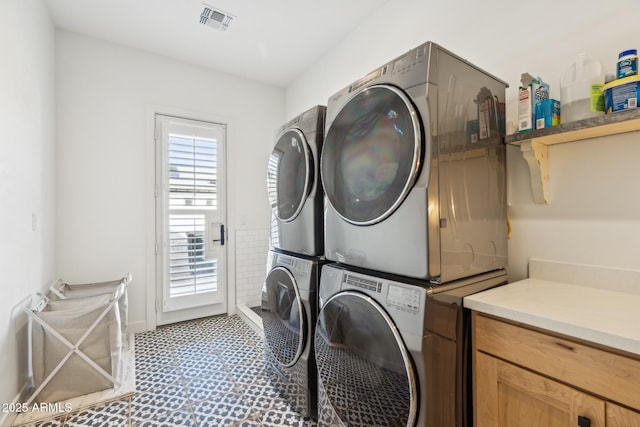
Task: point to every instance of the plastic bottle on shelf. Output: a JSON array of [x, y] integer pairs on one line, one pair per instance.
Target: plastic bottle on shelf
[[581, 90], [627, 63]]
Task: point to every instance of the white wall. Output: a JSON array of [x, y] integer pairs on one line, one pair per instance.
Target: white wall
[[252, 247], [504, 37], [593, 217], [27, 175], [594, 213], [103, 189]]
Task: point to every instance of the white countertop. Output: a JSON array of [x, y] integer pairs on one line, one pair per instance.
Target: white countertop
[[610, 317]]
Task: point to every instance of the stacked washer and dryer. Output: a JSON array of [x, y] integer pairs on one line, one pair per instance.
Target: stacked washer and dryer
[[290, 291], [412, 166], [413, 169]]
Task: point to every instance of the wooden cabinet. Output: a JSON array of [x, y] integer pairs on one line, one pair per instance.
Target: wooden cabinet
[[617, 416], [512, 396], [527, 377]]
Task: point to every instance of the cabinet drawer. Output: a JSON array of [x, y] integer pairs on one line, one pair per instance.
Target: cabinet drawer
[[610, 375], [618, 416]]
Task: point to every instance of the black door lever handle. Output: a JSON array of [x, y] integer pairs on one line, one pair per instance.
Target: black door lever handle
[[221, 239]]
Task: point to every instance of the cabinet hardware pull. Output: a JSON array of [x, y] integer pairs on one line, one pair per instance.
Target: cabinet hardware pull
[[584, 421]]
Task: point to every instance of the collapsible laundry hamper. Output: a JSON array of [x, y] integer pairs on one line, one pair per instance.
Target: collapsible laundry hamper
[[63, 290], [76, 345]]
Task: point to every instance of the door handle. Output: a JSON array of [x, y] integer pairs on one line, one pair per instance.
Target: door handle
[[221, 239]]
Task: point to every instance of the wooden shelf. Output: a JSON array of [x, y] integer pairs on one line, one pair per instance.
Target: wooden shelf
[[533, 144]]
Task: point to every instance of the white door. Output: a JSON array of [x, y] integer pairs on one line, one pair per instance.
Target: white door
[[190, 210]]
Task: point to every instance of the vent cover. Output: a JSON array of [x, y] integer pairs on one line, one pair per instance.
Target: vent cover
[[215, 18]]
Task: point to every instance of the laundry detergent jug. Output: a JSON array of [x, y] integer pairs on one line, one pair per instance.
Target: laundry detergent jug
[[581, 90]]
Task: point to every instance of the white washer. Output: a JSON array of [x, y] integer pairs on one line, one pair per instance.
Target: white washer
[[413, 168], [393, 353], [289, 313], [294, 187]]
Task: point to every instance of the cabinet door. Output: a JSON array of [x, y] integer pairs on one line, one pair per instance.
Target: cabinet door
[[617, 416], [507, 396]]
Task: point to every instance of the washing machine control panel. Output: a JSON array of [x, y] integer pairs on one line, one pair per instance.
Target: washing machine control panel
[[298, 267], [404, 298], [361, 282]]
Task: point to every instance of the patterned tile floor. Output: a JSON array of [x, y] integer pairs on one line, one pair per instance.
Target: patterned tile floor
[[207, 372]]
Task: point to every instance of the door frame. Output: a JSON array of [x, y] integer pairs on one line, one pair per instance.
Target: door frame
[[153, 299]]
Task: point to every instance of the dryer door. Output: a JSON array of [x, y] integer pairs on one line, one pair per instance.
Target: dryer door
[[365, 374], [289, 174], [283, 317], [372, 154]]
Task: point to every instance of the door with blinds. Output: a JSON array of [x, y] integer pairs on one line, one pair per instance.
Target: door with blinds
[[190, 211]]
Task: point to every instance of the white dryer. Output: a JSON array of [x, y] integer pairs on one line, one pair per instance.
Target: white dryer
[[413, 169], [393, 353], [294, 187], [289, 313]]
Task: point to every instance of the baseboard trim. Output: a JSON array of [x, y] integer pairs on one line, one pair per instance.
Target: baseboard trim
[[137, 327], [8, 418], [251, 318]]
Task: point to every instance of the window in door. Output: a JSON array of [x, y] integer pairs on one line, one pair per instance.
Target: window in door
[[191, 212]]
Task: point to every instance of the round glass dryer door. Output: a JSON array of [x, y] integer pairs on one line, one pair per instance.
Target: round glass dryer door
[[289, 175], [363, 365], [283, 317], [372, 154]]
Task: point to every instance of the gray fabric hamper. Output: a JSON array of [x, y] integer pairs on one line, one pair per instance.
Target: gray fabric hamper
[[62, 290], [76, 344]]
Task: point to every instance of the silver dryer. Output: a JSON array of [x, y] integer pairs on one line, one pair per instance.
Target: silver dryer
[[413, 168], [294, 187]]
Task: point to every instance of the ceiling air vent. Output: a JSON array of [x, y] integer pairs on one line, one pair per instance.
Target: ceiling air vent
[[215, 18]]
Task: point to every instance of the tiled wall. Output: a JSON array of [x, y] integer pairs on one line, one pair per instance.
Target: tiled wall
[[251, 265]]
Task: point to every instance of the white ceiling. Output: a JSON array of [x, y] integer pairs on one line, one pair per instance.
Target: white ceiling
[[271, 41]]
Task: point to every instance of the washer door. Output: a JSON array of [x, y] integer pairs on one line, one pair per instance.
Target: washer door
[[364, 369], [283, 317], [372, 154], [289, 175]]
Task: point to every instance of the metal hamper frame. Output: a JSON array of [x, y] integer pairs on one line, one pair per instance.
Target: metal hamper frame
[[102, 313]]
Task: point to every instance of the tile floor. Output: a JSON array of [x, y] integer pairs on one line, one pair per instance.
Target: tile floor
[[207, 372]]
